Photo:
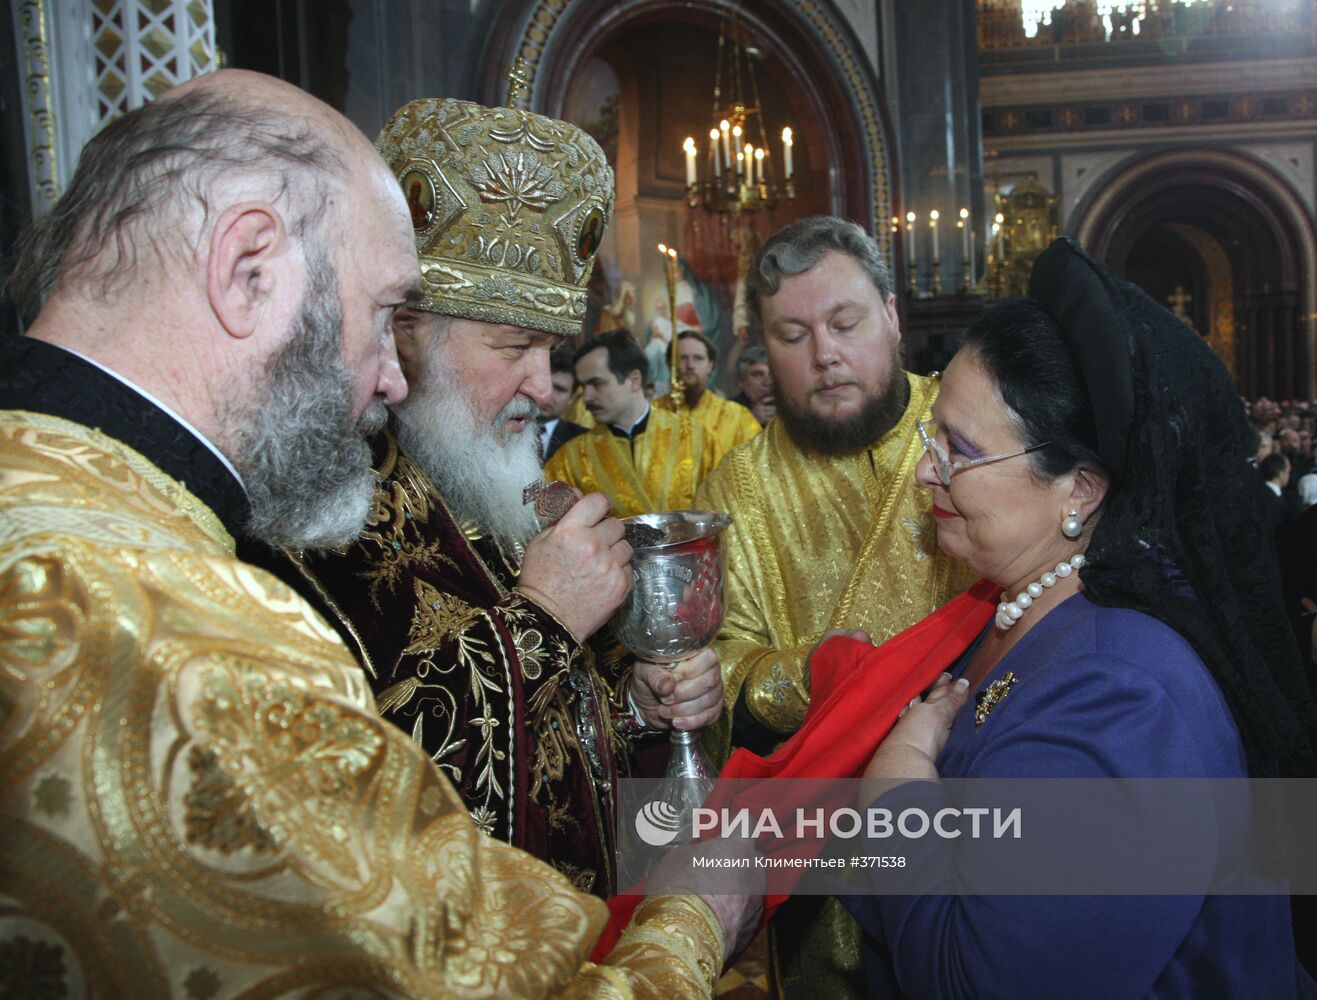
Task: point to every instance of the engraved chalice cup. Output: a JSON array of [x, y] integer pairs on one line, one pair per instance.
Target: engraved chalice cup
[[675, 608]]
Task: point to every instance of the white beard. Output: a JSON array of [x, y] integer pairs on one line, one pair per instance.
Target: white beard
[[480, 472]]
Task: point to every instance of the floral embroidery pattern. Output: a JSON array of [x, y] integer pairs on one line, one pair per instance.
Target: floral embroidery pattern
[[295, 763], [517, 180]]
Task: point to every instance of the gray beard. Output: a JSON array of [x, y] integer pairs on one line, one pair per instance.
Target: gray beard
[[305, 463], [480, 473]]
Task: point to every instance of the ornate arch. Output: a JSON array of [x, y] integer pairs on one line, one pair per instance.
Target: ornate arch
[[1128, 184], [554, 37]]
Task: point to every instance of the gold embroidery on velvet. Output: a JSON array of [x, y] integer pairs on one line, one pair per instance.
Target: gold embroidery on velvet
[[484, 819], [440, 618], [583, 879], [173, 648], [554, 739], [437, 618], [531, 651]]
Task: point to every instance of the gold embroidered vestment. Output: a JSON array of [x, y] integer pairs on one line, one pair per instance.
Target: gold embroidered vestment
[[198, 798], [659, 469], [728, 423]]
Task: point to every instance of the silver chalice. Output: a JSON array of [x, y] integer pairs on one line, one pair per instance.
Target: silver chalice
[[675, 608]]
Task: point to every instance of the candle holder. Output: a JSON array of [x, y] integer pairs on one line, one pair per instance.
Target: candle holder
[[935, 282], [740, 173]]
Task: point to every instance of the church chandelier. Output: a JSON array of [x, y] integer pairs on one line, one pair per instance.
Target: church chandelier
[[740, 173]]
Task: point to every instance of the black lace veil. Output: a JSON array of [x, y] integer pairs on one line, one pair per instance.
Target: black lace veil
[[1182, 535]]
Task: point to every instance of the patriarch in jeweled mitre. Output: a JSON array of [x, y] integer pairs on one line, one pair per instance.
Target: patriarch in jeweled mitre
[[509, 208]]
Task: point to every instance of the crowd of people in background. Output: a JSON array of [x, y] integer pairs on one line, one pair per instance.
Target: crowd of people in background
[[1284, 433]]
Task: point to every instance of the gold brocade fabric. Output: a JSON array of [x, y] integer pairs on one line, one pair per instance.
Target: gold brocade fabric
[[659, 469], [819, 543], [197, 798], [728, 423]]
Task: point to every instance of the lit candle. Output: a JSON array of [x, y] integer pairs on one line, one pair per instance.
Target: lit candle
[[786, 152], [910, 243], [689, 147], [740, 165], [964, 233], [663, 249], [749, 152], [932, 224], [713, 148], [723, 126], [736, 145], [759, 164], [999, 222]]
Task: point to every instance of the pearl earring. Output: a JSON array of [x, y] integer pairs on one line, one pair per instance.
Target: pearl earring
[[1071, 525]]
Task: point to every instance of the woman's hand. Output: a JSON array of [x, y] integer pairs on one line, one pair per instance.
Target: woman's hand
[[910, 751]]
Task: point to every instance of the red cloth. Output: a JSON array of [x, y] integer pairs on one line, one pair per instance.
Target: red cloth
[[857, 691]]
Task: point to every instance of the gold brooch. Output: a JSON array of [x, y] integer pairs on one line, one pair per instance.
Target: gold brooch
[[988, 699]]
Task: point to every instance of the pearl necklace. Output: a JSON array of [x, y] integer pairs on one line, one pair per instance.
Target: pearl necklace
[[1009, 612]]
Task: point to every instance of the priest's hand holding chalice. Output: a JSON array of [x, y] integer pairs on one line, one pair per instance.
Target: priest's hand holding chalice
[[673, 612]]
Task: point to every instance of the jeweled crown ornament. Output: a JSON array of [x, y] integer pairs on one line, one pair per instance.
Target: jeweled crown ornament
[[508, 206]]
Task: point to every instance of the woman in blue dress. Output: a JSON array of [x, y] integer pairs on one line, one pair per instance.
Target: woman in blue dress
[[1090, 456]]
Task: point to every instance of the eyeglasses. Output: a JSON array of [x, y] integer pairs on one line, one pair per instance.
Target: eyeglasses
[[947, 468]]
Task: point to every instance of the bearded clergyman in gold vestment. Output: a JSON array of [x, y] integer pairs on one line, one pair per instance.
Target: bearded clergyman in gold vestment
[[829, 531], [645, 459], [727, 422], [198, 797]]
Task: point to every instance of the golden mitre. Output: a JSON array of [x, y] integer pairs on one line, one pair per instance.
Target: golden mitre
[[509, 207]]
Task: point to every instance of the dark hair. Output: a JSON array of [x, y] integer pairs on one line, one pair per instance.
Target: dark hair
[[1273, 465], [1020, 346], [799, 245], [624, 354], [696, 335], [562, 359], [752, 355], [137, 177]]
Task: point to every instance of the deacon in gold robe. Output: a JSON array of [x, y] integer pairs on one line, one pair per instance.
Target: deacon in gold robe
[[643, 458], [829, 529], [197, 796], [728, 423]]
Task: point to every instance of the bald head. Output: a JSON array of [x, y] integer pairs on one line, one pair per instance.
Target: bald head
[[149, 182], [237, 250]]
